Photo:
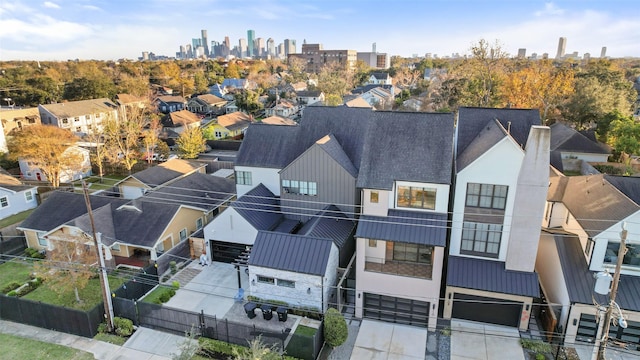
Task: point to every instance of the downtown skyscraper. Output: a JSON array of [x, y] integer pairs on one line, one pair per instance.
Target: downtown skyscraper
[[251, 35]]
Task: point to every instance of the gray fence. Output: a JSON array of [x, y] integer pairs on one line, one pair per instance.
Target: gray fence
[[12, 245], [177, 253]]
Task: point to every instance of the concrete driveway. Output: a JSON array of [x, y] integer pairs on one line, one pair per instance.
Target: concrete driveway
[[471, 340], [388, 341]]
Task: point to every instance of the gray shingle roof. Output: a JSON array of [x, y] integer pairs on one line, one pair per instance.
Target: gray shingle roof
[[580, 281], [197, 190], [288, 252], [471, 120], [407, 146], [330, 223], [259, 207], [564, 138], [405, 226], [628, 185], [80, 108], [331, 146], [165, 172], [489, 275], [490, 135], [268, 146]]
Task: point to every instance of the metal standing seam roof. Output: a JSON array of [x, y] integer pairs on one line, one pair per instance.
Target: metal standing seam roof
[[288, 252], [580, 281], [330, 223], [490, 275], [259, 207], [405, 226]]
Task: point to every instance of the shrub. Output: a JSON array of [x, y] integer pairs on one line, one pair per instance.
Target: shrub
[[11, 286], [175, 285], [173, 266], [123, 326], [536, 346], [166, 278], [220, 349], [34, 253], [335, 328], [12, 293], [102, 328]]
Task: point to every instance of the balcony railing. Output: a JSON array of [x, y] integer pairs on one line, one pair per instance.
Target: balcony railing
[[400, 268]]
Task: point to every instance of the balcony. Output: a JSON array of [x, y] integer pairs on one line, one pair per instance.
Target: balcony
[[395, 262]]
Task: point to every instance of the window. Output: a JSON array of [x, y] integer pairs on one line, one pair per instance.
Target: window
[[42, 241], [199, 224], [243, 177], [416, 197], [115, 247], [487, 196], [286, 283], [481, 239], [300, 187], [373, 197], [76, 119], [413, 253], [373, 243], [218, 134], [266, 280], [4, 201], [78, 129], [183, 234], [631, 257], [28, 195]]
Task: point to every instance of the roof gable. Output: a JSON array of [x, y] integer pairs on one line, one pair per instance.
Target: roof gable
[[331, 147], [330, 223], [259, 207], [564, 138], [488, 137]]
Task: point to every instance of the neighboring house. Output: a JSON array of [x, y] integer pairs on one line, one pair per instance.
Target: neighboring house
[[583, 221], [309, 97], [82, 116], [138, 184], [13, 120], [413, 104], [14, 196], [181, 120], [283, 109], [206, 104], [170, 103], [366, 88], [358, 102], [30, 170], [128, 100], [379, 97], [277, 120], [570, 148], [501, 180], [230, 125], [380, 79]]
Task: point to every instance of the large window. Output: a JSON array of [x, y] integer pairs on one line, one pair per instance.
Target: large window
[[300, 187], [286, 283], [413, 253], [487, 196], [266, 280], [631, 258], [417, 197], [481, 239], [243, 177]]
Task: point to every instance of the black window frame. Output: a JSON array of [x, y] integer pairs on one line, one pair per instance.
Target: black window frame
[[474, 199]]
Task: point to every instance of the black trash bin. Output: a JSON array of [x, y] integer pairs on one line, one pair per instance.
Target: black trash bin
[[250, 308], [282, 313], [267, 312]]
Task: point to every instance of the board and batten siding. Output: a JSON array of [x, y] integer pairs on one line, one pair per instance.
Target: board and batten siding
[[334, 184]]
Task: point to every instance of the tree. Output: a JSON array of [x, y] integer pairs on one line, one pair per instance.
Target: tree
[[334, 80], [257, 350], [335, 328], [122, 137], [190, 143], [99, 152], [625, 137], [69, 264], [232, 71], [151, 137], [297, 69], [49, 148], [85, 88], [249, 101]]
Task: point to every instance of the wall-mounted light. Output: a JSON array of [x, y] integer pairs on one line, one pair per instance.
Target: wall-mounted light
[[359, 295], [253, 281], [575, 322]]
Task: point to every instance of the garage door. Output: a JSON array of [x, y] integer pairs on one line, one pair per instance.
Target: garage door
[[487, 310], [629, 337], [397, 310], [226, 252]]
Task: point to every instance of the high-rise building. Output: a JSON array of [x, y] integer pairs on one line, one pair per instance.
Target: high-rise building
[[289, 47], [205, 42], [271, 48], [251, 35], [280, 51], [242, 47], [145, 55], [603, 52], [259, 47], [227, 47], [522, 53], [562, 47]]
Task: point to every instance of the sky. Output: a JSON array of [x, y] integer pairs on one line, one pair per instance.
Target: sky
[[114, 29]]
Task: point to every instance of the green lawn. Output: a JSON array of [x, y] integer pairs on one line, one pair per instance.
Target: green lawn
[[15, 218], [14, 271], [17, 348], [110, 338], [94, 184], [305, 330], [91, 295], [154, 296]]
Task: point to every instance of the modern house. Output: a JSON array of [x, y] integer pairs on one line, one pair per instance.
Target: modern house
[[79, 116], [570, 149], [501, 179], [14, 196], [583, 222], [30, 170]]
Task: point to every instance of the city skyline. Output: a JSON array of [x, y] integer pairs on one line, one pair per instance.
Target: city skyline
[[109, 30]]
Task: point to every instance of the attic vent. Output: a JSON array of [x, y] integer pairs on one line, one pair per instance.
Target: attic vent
[[508, 127], [129, 207]]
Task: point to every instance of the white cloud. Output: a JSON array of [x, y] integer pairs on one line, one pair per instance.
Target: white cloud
[[91, 7], [549, 9], [51, 5]]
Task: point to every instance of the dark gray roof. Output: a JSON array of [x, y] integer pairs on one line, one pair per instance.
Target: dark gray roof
[[62, 207], [580, 281], [197, 190], [488, 136], [330, 223], [259, 207], [563, 138], [628, 185], [288, 252], [471, 120], [308, 93], [331, 146], [286, 226], [490, 275], [424, 228], [366, 88], [268, 146], [398, 142], [156, 176]]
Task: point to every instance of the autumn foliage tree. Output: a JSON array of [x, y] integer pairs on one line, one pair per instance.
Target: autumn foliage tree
[[190, 143], [122, 137], [49, 148]]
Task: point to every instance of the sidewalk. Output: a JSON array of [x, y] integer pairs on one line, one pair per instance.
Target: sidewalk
[[100, 350]]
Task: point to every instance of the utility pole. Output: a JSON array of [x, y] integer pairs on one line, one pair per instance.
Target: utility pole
[[612, 299], [104, 280]]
